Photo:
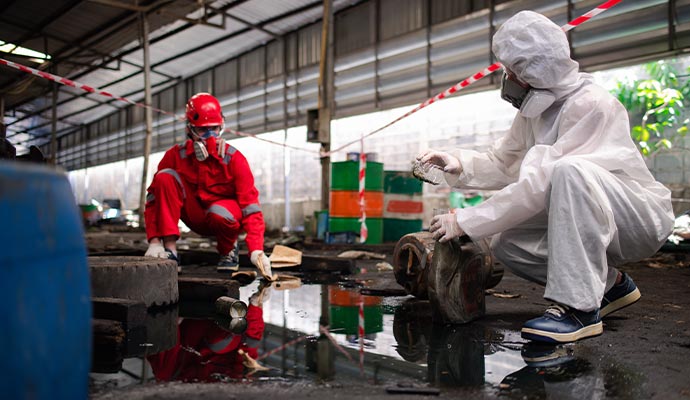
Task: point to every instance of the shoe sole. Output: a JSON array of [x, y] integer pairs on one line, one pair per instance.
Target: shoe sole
[[228, 269], [551, 360], [552, 337], [623, 302]]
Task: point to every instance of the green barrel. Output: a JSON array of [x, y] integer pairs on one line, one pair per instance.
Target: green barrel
[[394, 229], [346, 319], [374, 227], [401, 182], [403, 206], [345, 176]]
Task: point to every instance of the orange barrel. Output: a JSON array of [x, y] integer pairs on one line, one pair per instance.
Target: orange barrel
[[350, 297], [345, 204], [343, 311]]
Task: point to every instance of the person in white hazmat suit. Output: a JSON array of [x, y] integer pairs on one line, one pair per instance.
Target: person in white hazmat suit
[[575, 198]]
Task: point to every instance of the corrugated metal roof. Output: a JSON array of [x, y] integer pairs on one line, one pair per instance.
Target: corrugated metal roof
[[98, 44]]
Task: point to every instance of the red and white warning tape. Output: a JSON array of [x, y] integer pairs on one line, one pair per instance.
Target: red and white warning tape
[[360, 330], [589, 14], [81, 86], [281, 347], [363, 231], [324, 330], [479, 75]]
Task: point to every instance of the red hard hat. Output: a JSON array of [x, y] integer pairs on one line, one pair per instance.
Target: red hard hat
[[204, 110]]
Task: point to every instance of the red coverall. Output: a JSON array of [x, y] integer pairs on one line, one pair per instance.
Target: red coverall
[[215, 197], [204, 349]]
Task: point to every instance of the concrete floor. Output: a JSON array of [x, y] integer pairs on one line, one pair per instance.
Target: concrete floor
[[643, 352]]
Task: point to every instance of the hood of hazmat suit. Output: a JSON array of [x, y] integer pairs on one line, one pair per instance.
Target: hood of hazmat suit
[[584, 125]]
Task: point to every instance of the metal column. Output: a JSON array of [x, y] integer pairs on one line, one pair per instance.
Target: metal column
[[286, 150], [53, 125], [148, 114], [326, 96]]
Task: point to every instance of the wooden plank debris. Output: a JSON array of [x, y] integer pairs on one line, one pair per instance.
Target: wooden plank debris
[[130, 313], [108, 346]]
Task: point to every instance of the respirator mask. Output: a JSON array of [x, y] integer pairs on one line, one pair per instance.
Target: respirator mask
[[530, 101], [207, 141]]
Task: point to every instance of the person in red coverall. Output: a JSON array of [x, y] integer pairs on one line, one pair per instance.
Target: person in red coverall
[[208, 184], [205, 352]]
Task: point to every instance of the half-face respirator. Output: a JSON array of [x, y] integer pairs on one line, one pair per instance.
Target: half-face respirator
[[207, 141], [530, 101]]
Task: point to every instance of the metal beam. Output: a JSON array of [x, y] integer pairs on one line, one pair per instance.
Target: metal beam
[[46, 21], [83, 110], [124, 6], [198, 21], [33, 32], [200, 47], [80, 46], [325, 99], [116, 25], [247, 23], [53, 125], [148, 113], [93, 36], [7, 5]]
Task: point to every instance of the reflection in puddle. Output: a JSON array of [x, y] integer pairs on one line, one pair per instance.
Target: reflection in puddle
[[280, 338]]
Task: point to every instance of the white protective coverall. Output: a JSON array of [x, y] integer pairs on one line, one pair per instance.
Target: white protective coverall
[[576, 197]]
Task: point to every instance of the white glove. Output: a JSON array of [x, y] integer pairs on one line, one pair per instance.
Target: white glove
[[156, 250], [447, 162], [262, 263], [262, 294], [445, 227]]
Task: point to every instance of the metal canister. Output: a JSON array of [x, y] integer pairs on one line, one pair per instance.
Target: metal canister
[[230, 307]]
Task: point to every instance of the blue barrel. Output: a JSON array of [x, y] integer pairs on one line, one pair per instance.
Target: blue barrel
[[45, 296]]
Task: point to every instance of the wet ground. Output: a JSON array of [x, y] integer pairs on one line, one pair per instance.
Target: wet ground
[[643, 352]]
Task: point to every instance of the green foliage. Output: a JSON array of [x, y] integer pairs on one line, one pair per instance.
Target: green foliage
[[658, 103]]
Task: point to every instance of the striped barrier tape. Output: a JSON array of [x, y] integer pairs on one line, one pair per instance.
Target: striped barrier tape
[[360, 330], [81, 86], [363, 231], [281, 347], [324, 330]]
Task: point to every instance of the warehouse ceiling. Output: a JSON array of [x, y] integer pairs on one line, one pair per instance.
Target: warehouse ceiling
[[98, 43]]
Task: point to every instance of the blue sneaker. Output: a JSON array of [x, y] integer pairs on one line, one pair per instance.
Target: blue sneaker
[[230, 261], [620, 296], [561, 324], [546, 355], [172, 256]]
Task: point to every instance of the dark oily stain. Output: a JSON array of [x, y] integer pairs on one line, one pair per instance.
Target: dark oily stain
[[623, 382], [456, 355], [554, 371], [460, 360]]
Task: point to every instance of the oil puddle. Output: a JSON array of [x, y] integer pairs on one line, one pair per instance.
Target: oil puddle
[[283, 338]]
